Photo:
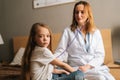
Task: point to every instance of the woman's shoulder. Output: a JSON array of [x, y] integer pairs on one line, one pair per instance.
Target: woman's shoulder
[[67, 29], [97, 31]]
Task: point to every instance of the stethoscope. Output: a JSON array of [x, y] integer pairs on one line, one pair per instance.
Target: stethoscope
[[75, 37], [68, 45], [85, 45]]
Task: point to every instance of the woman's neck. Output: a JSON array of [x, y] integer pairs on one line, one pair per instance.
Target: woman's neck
[[81, 27]]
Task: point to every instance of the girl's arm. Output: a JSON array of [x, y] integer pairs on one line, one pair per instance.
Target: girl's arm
[[59, 71], [61, 64]]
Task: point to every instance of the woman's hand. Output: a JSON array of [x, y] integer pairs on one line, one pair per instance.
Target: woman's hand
[[85, 67], [57, 71]]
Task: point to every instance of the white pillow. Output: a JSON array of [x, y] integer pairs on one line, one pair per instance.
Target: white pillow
[[18, 57]]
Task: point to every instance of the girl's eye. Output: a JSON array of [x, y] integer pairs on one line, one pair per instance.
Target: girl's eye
[[48, 35], [40, 36]]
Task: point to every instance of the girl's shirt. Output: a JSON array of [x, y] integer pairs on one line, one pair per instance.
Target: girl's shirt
[[41, 69]]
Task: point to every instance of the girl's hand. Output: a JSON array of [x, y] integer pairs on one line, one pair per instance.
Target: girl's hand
[[85, 67], [57, 71]]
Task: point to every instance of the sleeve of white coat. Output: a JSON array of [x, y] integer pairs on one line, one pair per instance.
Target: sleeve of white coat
[[99, 52], [60, 52]]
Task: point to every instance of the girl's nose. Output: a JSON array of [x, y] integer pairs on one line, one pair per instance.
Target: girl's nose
[[45, 38]]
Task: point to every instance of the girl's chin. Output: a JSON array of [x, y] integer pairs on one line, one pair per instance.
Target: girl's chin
[[46, 46]]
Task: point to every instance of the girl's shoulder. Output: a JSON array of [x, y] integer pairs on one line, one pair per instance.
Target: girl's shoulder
[[43, 50]]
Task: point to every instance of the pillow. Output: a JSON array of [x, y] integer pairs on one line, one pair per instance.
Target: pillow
[[18, 57]]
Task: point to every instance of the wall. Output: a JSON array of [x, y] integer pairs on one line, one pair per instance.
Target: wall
[[17, 16]]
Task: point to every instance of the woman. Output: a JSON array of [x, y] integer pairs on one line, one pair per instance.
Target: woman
[[82, 43]]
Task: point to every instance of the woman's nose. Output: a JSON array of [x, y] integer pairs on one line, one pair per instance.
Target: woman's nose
[[79, 14]]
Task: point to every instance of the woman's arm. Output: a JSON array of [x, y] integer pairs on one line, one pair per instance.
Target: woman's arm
[[85, 67], [99, 52], [61, 64]]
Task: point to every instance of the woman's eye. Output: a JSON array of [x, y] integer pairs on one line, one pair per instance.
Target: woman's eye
[[77, 12], [82, 12]]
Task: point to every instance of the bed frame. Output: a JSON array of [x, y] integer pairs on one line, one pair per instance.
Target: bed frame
[[21, 41], [18, 42]]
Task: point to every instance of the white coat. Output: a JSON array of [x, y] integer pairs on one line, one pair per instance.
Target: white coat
[[73, 48]]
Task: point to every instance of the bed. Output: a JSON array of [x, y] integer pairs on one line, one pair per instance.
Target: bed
[[13, 70], [20, 42]]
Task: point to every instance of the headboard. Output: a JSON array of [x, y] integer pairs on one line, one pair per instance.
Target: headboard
[[18, 42], [21, 41]]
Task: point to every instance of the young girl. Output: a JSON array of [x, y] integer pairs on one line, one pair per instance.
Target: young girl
[[38, 60]]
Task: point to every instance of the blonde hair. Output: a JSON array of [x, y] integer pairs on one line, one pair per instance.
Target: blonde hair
[[90, 26], [29, 48]]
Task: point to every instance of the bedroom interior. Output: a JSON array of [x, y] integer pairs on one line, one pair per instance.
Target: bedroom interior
[[13, 70], [16, 18]]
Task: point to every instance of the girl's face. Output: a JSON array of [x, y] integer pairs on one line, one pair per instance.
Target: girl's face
[[81, 14], [42, 37]]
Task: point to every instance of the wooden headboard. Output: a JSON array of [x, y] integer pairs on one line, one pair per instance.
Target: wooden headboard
[[21, 41], [18, 42]]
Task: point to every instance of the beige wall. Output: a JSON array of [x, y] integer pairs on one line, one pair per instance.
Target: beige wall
[[17, 16]]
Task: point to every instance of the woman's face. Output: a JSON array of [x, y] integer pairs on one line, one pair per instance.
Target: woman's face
[[42, 37], [81, 14]]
